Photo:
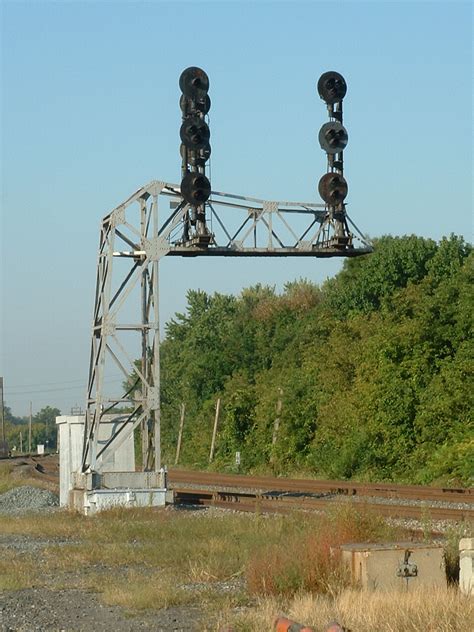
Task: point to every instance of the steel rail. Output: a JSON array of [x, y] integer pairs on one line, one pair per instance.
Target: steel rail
[[348, 488], [254, 502]]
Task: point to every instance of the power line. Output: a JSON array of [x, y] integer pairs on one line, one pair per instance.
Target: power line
[[50, 390], [46, 383], [54, 390]]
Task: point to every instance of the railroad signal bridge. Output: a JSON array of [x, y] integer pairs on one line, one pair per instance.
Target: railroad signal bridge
[[191, 219]]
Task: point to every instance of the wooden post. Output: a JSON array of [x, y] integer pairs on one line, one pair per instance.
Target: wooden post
[[180, 433], [29, 428], [214, 432], [276, 424], [21, 442]]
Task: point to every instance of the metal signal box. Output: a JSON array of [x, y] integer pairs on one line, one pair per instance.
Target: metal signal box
[[397, 565]]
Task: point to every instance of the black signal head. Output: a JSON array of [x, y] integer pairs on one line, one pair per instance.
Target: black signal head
[[192, 106], [332, 87], [333, 188], [333, 137], [194, 82], [195, 188], [195, 133]]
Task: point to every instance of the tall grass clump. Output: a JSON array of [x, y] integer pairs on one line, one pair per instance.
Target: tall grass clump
[[427, 609], [6, 481], [451, 549], [310, 560]]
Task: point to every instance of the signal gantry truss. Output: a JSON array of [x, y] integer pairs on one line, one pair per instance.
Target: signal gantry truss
[[156, 222], [142, 230]]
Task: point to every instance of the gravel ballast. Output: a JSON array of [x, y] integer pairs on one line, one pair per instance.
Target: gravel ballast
[[27, 499]]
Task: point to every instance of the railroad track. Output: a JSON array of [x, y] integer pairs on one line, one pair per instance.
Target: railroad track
[[284, 495], [311, 486], [269, 494], [33, 456], [43, 466], [244, 501]]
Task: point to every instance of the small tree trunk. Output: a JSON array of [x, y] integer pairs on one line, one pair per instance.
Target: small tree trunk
[[214, 432], [180, 433]]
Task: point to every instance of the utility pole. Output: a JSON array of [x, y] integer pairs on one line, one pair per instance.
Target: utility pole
[[214, 432], [21, 442], [180, 433], [276, 425], [29, 428], [2, 409]]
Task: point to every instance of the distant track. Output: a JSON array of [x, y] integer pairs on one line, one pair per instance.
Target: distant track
[[43, 466], [264, 493], [33, 455]]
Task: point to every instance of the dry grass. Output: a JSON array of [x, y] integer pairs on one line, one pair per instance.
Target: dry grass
[[441, 610], [7, 480], [158, 591], [123, 548], [15, 573], [153, 559]]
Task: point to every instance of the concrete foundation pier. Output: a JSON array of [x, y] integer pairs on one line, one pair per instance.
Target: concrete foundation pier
[[117, 484], [466, 566]]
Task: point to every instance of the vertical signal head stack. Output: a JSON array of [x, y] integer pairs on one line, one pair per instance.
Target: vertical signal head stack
[[195, 148], [333, 139]]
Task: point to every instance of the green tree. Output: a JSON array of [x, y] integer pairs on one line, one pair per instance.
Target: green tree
[[44, 426], [372, 369], [365, 282]]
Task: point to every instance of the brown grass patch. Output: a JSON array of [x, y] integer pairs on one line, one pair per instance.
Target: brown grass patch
[[310, 559]]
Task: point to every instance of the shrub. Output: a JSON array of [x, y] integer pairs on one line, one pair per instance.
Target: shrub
[[310, 560]]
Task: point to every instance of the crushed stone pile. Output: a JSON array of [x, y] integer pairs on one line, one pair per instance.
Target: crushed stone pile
[[25, 499]]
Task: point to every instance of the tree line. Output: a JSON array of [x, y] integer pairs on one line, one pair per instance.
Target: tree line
[[43, 429], [370, 373]]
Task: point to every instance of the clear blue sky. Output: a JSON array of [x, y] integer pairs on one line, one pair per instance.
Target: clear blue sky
[[90, 113]]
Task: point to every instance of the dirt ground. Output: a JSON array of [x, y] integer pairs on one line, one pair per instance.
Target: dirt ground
[[73, 610], [78, 611]]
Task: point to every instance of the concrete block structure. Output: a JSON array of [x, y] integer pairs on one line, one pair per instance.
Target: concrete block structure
[[71, 438], [466, 566], [391, 566], [117, 484]]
